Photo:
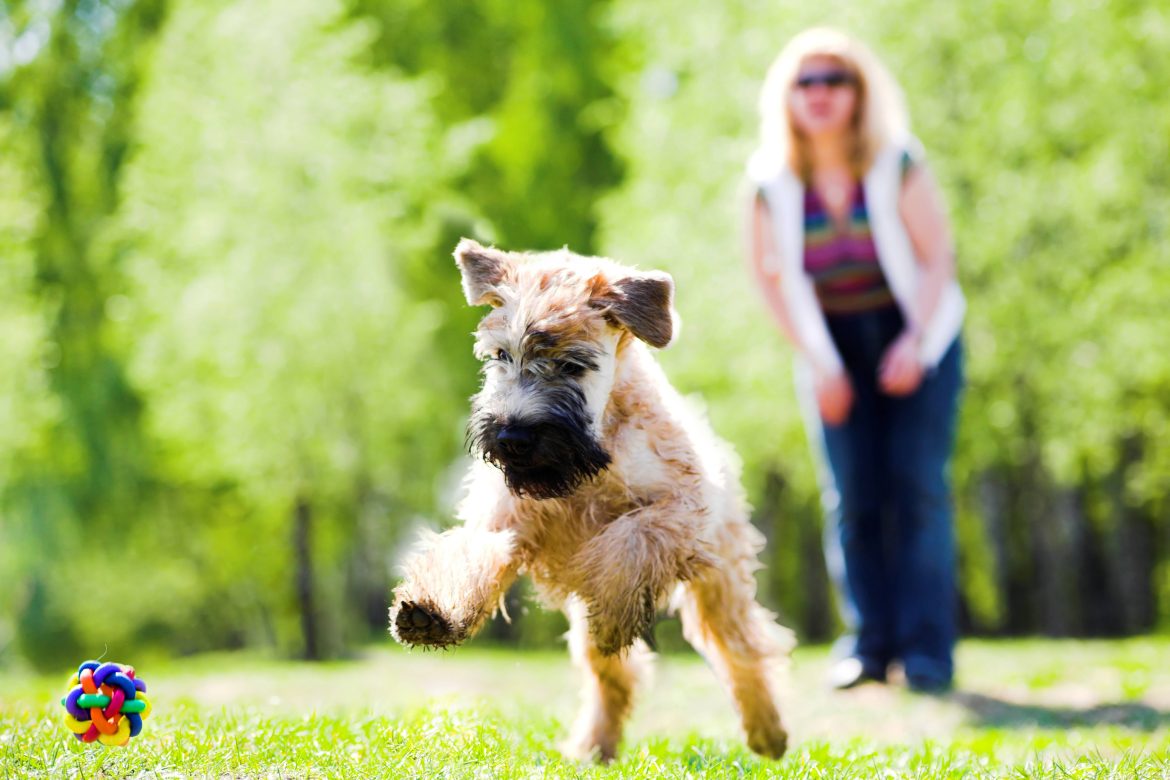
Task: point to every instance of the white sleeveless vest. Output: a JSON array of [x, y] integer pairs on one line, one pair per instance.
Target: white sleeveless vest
[[784, 194]]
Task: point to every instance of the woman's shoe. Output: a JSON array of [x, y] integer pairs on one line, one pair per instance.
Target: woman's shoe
[[851, 672]]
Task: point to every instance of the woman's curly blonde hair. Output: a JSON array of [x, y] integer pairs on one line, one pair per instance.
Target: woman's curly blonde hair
[[880, 116]]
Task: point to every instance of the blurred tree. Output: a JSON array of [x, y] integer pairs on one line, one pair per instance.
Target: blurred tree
[[265, 222], [67, 87], [26, 403], [530, 79]]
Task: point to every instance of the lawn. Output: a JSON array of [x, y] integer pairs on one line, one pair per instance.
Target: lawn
[[1022, 709]]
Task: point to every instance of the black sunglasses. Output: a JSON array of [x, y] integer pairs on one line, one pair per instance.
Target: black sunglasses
[[832, 78]]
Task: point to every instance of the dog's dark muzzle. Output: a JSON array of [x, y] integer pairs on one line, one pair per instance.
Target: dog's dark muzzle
[[534, 446], [542, 459], [517, 443]]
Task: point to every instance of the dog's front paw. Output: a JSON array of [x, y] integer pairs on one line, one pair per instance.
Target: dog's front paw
[[415, 625]]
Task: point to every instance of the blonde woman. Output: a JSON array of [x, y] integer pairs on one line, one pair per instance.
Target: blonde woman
[[852, 251]]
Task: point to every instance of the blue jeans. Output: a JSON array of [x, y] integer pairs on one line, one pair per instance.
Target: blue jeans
[[889, 531]]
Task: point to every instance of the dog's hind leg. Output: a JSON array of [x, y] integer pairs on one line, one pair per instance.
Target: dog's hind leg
[[738, 637], [608, 691], [453, 583]]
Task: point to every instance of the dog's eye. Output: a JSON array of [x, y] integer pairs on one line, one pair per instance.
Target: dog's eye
[[570, 368], [502, 356]]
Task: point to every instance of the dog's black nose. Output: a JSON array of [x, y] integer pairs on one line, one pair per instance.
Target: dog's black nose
[[516, 441]]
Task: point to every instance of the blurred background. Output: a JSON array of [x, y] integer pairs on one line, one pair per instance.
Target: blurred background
[[235, 359]]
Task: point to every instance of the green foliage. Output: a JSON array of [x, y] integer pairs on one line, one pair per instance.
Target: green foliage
[[263, 231], [78, 466], [26, 407], [279, 350], [227, 291], [527, 79]]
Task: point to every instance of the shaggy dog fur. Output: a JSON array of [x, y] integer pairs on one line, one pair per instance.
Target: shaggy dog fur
[[599, 482]]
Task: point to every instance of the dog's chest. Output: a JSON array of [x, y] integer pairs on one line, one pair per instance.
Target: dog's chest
[[638, 468], [638, 475], [568, 523], [604, 499]]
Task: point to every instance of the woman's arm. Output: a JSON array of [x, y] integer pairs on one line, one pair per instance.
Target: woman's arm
[[921, 207], [761, 246], [924, 215], [834, 391]]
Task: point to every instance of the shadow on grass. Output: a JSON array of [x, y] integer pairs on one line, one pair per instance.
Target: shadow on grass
[[990, 712]]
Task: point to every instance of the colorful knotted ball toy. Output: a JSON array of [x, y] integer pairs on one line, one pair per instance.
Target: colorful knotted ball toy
[[105, 703]]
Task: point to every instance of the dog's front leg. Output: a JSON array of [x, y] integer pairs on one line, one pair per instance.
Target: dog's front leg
[[453, 583], [628, 569]]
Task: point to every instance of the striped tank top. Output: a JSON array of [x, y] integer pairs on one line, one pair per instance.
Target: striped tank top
[[842, 260]]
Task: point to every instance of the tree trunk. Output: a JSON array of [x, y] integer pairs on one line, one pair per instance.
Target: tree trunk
[[819, 621], [1129, 549], [303, 549], [794, 577], [367, 573], [992, 498], [1059, 558]]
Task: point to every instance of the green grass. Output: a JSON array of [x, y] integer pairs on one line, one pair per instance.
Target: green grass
[[1023, 709]]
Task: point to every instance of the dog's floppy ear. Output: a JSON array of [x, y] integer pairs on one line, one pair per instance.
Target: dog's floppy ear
[[482, 268], [642, 304]]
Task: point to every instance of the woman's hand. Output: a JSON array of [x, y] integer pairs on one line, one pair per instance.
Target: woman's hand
[[900, 372], [834, 397]]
